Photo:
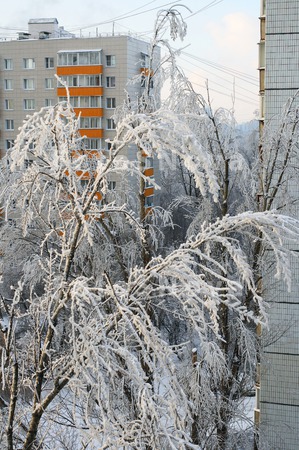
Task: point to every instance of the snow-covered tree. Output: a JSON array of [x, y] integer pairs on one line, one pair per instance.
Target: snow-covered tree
[[256, 177], [88, 360]]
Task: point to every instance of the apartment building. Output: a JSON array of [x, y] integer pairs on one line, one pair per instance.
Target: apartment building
[[277, 411], [96, 70]]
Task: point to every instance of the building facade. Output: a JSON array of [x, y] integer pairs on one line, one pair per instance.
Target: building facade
[[277, 411], [95, 69]]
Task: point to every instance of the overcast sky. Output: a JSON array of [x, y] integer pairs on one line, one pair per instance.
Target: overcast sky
[[221, 43]]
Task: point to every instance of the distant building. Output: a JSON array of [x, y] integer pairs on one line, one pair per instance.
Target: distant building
[[277, 410], [96, 70]]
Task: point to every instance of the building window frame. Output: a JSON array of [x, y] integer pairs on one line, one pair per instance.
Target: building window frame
[[49, 83], [8, 104], [49, 102], [110, 124], [110, 60], [29, 104], [110, 82], [93, 143], [8, 84], [149, 201], [112, 185], [49, 62], [9, 143], [8, 64], [29, 84], [90, 123], [110, 102], [29, 63], [81, 80], [93, 101], [149, 162], [9, 124], [77, 58]]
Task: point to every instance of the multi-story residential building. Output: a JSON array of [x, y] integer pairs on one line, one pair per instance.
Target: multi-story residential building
[[95, 69], [278, 393]]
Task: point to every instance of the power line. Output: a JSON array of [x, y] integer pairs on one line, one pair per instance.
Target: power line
[[124, 16], [218, 76], [236, 89], [208, 6], [226, 95], [225, 69]]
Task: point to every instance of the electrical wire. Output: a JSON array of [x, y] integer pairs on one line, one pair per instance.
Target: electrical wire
[[124, 16], [225, 69], [210, 5], [216, 75]]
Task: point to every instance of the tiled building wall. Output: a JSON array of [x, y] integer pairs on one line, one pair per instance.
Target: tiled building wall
[[126, 50], [280, 364], [123, 57]]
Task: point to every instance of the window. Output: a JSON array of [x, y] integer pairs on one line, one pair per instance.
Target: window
[[73, 100], [49, 102], [110, 103], [82, 80], [29, 63], [111, 124], [29, 104], [9, 143], [8, 85], [110, 82], [8, 64], [144, 60], [28, 163], [149, 201], [9, 124], [86, 58], [149, 182], [149, 162], [12, 223], [84, 102], [49, 83], [29, 84], [95, 102], [92, 144], [49, 63], [90, 122], [90, 80], [111, 185], [8, 104], [146, 79], [110, 60]]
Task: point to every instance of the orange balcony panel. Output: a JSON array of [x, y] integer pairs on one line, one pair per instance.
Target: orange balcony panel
[[92, 133], [148, 192], [149, 172], [98, 196], [94, 153], [80, 91], [79, 70], [83, 175], [146, 72], [89, 112], [88, 153]]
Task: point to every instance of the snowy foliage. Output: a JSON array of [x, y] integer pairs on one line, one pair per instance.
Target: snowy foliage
[[84, 334], [89, 355]]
